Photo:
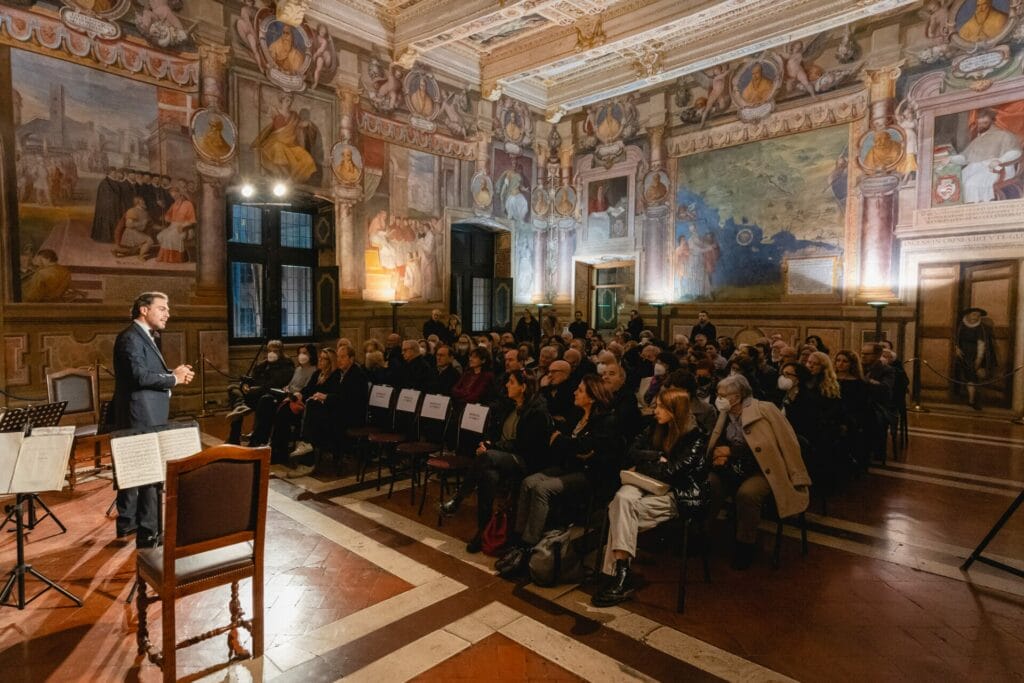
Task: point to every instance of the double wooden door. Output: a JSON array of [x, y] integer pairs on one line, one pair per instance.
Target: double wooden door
[[945, 289]]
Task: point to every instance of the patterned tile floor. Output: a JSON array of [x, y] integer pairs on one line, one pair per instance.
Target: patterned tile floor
[[360, 586]]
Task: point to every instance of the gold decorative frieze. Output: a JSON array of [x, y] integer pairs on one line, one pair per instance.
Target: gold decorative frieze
[[46, 35], [409, 136], [842, 109]]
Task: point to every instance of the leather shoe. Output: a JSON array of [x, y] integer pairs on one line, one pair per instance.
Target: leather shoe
[[450, 507], [617, 590], [475, 545]]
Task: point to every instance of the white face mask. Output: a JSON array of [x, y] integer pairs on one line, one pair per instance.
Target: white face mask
[[722, 403], [785, 383], [272, 357], [423, 350], [303, 358], [601, 367], [659, 369]]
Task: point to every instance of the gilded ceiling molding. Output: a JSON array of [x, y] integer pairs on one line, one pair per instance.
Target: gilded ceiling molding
[[842, 109], [48, 36], [404, 134]]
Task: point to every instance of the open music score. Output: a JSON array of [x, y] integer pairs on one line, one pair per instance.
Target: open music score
[[141, 459], [29, 464]]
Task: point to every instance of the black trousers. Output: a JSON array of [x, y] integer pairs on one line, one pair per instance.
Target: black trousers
[[488, 472], [137, 511]]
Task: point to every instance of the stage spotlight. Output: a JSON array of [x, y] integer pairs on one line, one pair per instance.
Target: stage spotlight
[[280, 189], [248, 190]]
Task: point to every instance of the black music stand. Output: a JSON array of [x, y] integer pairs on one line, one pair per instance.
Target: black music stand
[[13, 420], [977, 556], [17, 575], [45, 415]]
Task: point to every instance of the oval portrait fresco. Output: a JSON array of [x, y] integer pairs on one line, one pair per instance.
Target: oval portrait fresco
[[882, 150], [482, 188], [214, 136], [347, 163], [286, 48], [565, 201], [982, 23], [756, 82], [656, 188]]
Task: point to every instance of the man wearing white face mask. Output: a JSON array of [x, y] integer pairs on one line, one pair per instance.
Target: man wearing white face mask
[[274, 371], [755, 454]]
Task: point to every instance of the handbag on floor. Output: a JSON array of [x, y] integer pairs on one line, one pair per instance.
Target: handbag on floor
[[495, 534], [555, 559]]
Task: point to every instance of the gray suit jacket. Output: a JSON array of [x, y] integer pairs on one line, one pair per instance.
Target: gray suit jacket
[[142, 381]]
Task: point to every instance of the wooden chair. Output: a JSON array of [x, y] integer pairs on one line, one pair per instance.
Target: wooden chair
[[213, 535], [80, 387], [472, 427], [404, 430], [380, 417]]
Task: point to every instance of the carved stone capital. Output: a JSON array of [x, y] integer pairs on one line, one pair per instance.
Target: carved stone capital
[[881, 82]]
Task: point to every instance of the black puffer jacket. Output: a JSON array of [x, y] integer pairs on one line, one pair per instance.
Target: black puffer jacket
[[686, 469], [533, 432]]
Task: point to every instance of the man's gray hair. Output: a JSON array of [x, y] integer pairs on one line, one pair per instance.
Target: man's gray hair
[[411, 344], [734, 384]]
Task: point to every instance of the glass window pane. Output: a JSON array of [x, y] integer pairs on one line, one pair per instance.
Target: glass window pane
[[481, 305], [296, 230], [246, 224], [296, 301], [246, 299]]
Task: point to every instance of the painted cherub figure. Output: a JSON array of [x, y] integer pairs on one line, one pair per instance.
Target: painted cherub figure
[[940, 20]]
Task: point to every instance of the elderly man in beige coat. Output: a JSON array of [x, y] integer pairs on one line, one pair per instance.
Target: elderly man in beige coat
[[755, 454]]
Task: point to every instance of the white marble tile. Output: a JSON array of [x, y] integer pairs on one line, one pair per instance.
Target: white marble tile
[[568, 653], [413, 659], [615, 618], [551, 593], [390, 560], [427, 535], [289, 655], [377, 616], [249, 671], [469, 628], [711, 659], [496, 615]]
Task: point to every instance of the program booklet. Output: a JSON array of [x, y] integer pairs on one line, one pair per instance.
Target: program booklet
[[643, 482], [34, 463], [141, 459]]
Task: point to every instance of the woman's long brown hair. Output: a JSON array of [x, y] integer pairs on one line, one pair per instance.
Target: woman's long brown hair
[[677, 402], [332, 356]]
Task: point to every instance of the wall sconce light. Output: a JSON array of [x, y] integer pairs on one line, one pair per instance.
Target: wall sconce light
[[395, 305]]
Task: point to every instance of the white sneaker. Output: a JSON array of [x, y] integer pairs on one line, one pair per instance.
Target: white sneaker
[[299, 471], [238, 411], [301, 448]]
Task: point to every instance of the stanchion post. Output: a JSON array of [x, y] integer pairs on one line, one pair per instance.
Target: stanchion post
[[915, 389], [202, 387]]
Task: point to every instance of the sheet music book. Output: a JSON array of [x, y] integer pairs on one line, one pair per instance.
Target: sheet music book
[[141, 459], [30, 464]]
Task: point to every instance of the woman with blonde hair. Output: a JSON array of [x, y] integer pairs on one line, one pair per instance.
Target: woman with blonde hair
[[673, 451], [823, 374]]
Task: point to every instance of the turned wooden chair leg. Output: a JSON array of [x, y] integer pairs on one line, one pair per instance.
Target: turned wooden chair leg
[[142, 634], [169, 652], [257, 613], [235, 649]]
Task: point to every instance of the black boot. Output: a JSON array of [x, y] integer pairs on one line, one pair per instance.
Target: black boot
[[617, 589]]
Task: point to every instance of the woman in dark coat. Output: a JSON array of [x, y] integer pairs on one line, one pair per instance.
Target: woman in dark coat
[[590, 450], [326, 380], [673, 451], [517, 447], [856, 413]]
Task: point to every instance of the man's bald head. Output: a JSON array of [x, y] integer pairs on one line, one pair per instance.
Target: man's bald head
[[559, 371], [573, 357], [608, 358]]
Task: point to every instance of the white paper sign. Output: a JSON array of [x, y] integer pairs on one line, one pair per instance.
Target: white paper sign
[[380, 396], [407, 400], [435, 407], [474, 418]]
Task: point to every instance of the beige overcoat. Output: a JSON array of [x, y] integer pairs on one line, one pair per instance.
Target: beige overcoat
[[777, 451]]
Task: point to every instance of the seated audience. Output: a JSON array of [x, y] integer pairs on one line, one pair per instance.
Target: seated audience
[[755, 455], [589, 452], [475, 382], [325, 381], [557, 390], [272, 373], [517, 447], [701, 409], [445, 373], [376, 368], [414, 372], [461, 351], [665, 363], [326, 421], [263, 419], [673, 451], [624, 404]]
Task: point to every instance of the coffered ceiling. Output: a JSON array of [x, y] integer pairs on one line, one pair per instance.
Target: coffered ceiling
[[560, 55]]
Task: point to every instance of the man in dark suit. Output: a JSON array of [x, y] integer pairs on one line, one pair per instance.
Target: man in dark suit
[[415, 372], [704, 326], [445, 374], [142, 398]]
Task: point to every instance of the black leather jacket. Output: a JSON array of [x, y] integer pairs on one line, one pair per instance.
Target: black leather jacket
[[686, 469]]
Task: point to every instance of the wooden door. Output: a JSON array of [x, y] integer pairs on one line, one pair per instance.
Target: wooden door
[[937, 300], [992, 285]]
